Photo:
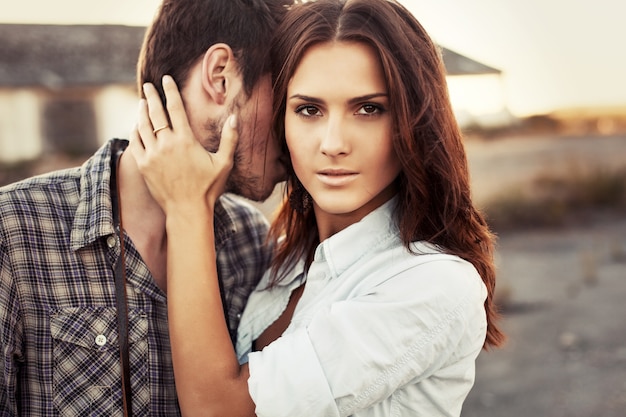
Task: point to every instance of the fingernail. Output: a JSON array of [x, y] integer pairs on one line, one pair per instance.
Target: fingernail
[[167, 79], [232, 121]]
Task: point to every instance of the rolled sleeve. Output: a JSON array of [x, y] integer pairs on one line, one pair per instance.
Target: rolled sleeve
[[303, 391]]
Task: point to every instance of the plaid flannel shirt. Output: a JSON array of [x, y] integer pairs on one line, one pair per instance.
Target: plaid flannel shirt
[[58, 329]]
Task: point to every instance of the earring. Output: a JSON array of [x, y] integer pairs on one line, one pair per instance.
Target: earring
[[299, 198]]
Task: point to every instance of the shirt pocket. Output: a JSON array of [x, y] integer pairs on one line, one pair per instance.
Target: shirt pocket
[[87, 371]]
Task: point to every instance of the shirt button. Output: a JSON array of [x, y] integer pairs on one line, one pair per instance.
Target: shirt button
[[101, 340], [111, 241]]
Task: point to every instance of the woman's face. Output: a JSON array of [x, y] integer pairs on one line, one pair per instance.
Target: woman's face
[[338, 129]]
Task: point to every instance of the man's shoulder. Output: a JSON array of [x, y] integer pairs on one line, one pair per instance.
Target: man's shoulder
[[59, 187], [239, 224], [38, 203], [60, 181]]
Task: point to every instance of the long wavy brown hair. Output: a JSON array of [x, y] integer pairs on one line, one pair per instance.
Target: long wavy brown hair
[[434, 199]]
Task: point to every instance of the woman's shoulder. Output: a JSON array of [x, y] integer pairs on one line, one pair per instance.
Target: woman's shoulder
[[397, 257], [425, 266]]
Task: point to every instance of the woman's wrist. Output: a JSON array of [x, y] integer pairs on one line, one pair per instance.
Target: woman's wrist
[[189, 214]]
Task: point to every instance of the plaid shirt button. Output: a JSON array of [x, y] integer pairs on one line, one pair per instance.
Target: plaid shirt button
[[101, 340], [111, 241]]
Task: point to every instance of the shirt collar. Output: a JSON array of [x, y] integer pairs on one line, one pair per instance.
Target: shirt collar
[[358, 240], [94, 217]]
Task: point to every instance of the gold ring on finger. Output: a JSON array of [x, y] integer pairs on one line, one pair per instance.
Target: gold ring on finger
[[158, 129]]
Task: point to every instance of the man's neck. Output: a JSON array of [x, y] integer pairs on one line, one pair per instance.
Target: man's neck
[[143, 219]]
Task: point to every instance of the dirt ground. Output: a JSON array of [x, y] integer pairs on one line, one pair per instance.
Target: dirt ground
[[564, 316], [564, 292]]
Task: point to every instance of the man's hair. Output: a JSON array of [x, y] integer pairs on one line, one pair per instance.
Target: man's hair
[[183, 30]]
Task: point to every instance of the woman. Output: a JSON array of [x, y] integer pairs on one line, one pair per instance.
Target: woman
[[381, 293]]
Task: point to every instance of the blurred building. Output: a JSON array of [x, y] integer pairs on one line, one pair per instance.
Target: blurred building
[[477, 92], [69, 88], [65, 89]]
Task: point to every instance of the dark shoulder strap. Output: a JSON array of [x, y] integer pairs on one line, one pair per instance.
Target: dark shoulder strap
[[120, 288]]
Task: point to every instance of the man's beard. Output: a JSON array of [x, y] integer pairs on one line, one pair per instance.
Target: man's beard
[[241, 180]]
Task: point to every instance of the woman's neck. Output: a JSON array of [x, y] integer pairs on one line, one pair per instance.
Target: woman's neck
[[329, 224]]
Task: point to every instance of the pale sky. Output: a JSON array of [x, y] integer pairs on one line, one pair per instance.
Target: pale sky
[[554, 53]]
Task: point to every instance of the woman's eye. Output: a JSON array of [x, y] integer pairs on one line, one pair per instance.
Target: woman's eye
[[308, 111], [370, 109]]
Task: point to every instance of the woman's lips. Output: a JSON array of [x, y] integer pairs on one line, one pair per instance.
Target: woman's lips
[[336, 177]]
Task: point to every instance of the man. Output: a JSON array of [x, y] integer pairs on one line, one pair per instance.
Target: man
[[59, 240]]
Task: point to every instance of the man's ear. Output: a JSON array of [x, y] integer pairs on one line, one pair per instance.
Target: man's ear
[[217, 64]]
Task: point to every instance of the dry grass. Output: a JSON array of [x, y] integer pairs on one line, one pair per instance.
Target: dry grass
[[552, 200]]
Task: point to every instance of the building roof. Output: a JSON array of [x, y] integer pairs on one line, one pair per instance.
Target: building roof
[[457, 64], [54, 56], [59, 55]]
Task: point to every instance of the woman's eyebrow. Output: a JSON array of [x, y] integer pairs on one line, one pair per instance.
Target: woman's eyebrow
[[351, 101], [306, 98], [367, 97]]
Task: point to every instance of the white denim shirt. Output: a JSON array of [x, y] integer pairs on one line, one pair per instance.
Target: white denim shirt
[[377, 332]]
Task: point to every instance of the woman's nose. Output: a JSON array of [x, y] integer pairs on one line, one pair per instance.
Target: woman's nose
[[334, 141]]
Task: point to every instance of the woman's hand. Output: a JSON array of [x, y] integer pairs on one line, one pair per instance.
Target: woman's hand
[[179, 172]]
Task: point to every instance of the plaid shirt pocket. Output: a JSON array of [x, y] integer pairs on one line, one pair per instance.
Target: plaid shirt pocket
[[87, 376]]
